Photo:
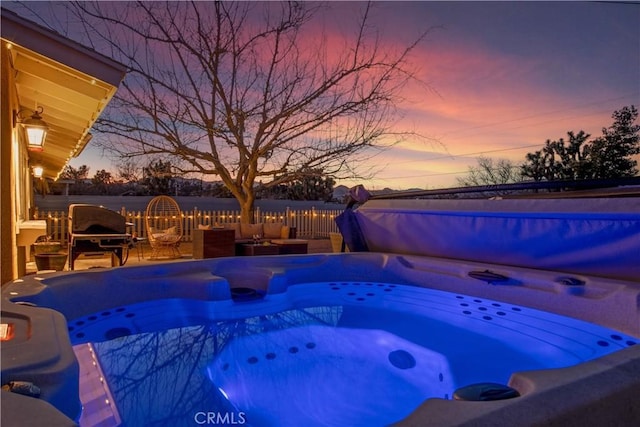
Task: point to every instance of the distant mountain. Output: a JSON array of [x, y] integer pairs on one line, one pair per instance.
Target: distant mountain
[[341, 192]]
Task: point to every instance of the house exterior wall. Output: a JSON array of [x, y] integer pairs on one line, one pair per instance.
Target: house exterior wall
[[8, 135], [16, 186], [16, 161]]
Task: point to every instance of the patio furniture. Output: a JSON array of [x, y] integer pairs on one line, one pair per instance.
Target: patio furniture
[[257, 249], [139, 243], [217, 242], [266, 232], [291, 246], [163, 223]]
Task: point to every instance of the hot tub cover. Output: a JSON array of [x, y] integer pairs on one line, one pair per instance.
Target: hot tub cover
[[599, 236]]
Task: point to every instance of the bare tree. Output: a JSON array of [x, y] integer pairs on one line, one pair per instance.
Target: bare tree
[[79, 174], [129, 169], [491, 172], [250, 92]]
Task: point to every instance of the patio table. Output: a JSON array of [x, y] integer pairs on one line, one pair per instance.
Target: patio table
[[255, 249], [291, 246]]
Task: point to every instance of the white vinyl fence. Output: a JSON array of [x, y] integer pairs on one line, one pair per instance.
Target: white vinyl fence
[[310, 224]]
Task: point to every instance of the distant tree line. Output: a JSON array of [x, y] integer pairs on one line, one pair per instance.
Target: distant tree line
[[159, 177], [610, 155]]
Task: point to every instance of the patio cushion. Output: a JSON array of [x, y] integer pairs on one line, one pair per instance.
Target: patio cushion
[[235, 226], [273, 230], [247, 231]]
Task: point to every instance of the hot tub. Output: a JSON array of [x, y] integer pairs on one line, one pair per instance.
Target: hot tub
[[333, 337]]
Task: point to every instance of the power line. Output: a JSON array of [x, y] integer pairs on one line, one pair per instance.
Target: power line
[[547, 113], [452, 156], [442, 173], [423, 175]]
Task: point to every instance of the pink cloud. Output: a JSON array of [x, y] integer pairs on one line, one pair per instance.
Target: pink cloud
[[484, 99]]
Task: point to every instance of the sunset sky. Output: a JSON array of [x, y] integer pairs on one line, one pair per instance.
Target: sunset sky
[[509, 76], [504, 78]]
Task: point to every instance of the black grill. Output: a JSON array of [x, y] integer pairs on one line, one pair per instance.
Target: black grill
[[95, 229]]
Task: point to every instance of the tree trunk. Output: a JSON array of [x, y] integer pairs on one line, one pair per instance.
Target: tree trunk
[[246, 209]]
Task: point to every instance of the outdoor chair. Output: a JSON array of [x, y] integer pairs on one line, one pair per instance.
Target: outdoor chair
[[163, 223]]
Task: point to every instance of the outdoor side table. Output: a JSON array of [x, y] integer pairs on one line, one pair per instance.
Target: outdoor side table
[[213, 243], [139, 242], [253, 249], [291, 246]]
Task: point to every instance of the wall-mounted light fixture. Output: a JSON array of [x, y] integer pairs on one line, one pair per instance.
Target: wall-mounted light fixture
[[36, 128], [38, 171]]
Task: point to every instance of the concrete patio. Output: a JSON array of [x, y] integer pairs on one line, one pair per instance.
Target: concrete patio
[[140, 254]]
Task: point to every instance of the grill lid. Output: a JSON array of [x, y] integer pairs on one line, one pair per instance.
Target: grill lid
[[92, 219]]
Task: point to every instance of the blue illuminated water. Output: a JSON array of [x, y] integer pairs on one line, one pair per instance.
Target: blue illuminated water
[[321, 354]]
